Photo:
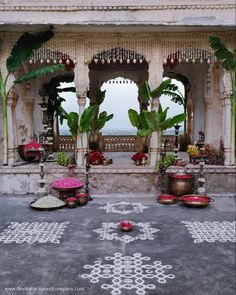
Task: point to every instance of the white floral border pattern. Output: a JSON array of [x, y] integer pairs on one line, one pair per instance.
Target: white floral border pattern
[[106, 232], [211, 231], [128, 272], [26, 232], [114, 207]]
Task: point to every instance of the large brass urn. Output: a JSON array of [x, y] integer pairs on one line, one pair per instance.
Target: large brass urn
[[179, 184]]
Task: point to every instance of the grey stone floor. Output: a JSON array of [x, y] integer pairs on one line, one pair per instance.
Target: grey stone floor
[[158, 257]]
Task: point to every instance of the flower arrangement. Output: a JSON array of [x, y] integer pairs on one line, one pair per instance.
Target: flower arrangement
[[95, 157], [33, 145], [138, 156], [67, 183]]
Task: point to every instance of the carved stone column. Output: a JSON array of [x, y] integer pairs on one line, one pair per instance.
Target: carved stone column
[[208, 119], [226, 104], [12, 132], [155, 79], [82, 142]]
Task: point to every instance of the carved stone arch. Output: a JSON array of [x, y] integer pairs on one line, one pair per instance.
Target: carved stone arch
[[102, 72]]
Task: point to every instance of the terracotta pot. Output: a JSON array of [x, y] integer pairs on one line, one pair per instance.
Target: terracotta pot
[[179, 185], [82, 198]]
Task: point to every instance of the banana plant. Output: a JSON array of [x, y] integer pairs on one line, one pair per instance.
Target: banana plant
[[100, 119], [79, 126], [227, 56], [20, 53], [158, 121]]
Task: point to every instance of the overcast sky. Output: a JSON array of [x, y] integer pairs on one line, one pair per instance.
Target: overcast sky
[[119, 98]]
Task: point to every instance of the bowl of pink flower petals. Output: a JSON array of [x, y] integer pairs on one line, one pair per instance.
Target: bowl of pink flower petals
[[67, 184], [67, 187]]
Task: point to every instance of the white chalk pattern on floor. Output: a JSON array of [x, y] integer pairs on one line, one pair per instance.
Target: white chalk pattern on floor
[[32, 232], [128, 272], [123, 207], [211, 231], [111, 231]]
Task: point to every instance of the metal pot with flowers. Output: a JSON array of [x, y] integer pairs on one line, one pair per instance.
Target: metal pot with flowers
[[139, 158], [29, 151], [96, 157]]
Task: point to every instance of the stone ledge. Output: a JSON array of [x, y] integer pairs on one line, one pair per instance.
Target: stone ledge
[[65, 8]]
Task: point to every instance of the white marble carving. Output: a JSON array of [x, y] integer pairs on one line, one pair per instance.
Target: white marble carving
[[128, 273], [211, 231], [124, 207], [26, 232], [111, 231]]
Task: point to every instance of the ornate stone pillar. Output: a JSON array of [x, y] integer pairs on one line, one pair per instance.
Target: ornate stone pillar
[[226, 128], [155, 79], [12, 132], [82, 142], [29, 103], [208, 119]]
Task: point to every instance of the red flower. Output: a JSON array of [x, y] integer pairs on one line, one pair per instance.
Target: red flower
[[32, 145], [95, 156], [71, 199], [138, 156]]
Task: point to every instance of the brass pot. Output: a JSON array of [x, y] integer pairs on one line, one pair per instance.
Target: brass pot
[[179, 185]]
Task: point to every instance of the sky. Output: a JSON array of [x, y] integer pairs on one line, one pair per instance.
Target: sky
[[119, 98]]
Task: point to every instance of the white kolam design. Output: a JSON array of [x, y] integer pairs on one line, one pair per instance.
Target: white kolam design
[[128, 272], [111, 231], [211, 231], [124, 207], [32, 232]]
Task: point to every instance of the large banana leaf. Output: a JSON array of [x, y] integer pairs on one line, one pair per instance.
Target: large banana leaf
[[157, 92], [134, 118], [102, 119], [153, 120], [145, 91], [39, 73], [223, 53], [143, 132], [144, 124], [100, 97], [24, 47], [162, 114], [177, 119], [72, 121], [86, 119]]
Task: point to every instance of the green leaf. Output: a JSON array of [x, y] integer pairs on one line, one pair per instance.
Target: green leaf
[[86, 119], [153, 120], [177, 119], [24, 47], [144, 90], [157, 92], [100, 97], [143, 121], [163, 114], [223, 53], [134, 118], [39, 73], [143, 132], [102, 119], [73, 119]]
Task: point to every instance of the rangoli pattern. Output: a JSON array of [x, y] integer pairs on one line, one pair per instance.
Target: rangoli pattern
[[128, 272], [211, 231], [26, 232], [111, 231], [124, 207]]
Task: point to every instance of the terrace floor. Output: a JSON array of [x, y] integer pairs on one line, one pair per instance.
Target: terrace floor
[[172, 250]]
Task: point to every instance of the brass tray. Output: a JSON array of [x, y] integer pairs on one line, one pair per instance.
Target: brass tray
[[194, 200]]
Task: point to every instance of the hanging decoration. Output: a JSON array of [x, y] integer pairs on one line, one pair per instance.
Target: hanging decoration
[[117, 54]]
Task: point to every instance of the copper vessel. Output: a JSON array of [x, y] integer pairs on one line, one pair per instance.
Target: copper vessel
[[179, 185]]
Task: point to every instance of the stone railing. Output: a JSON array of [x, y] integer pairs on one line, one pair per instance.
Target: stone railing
[[63, 143], [111, 143], [119, 143]]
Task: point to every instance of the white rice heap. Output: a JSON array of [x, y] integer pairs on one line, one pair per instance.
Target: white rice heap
[[47, 202]]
